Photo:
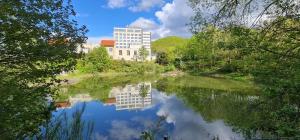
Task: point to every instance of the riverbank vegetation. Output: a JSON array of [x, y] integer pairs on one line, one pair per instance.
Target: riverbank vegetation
[[98, 61], [268, 50]]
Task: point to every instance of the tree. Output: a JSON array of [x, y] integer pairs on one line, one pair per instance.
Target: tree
[[97, 60], [162, 58], [38, 40], [143, 53], [272, 52]]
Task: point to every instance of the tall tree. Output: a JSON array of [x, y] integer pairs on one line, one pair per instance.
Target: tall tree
[[38, 40], [143, 53], [273, 52]]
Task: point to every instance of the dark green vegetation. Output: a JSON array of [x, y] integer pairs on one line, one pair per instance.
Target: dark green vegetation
[[268, 52], [98, 60], [38, 40], [168, 49], [99, 87]]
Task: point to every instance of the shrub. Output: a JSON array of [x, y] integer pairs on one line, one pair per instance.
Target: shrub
[[96, 61]]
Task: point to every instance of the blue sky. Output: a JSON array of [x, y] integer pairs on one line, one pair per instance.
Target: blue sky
[[161, 17]]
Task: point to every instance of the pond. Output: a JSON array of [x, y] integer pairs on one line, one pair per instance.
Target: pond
[[149, 107]]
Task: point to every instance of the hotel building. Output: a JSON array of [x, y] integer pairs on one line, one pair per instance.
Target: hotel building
[[127, 42]]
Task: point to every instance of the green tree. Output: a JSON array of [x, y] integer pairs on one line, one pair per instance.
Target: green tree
[[97, 60], [271, 50], [38, 40], [168, 49], [143, 53]]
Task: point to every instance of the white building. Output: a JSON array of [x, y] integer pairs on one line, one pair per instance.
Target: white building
[[127, 42]]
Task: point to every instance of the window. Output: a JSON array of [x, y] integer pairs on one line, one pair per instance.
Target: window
[[110, 49], [120, 52], [128, 52], [135, 52]]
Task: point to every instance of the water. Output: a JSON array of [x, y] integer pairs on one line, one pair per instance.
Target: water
[[140, 108]]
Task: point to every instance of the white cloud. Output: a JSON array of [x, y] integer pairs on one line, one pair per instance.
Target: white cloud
[[146, 5], [116, 3], [135, 5], [190, 125], [121, 131], [172, 20]]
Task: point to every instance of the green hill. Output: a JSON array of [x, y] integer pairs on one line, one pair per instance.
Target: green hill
[[168, 44]]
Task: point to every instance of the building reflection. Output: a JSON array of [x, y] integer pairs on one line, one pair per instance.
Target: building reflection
[[72, 100], [130, 97]]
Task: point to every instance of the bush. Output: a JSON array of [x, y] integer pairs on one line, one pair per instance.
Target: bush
[[96, 61], [169, 67], [136, 67]]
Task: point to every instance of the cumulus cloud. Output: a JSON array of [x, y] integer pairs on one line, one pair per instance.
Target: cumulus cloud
[[146, 5], [116, 3], [121, 131], [135, 5], [172, 20]]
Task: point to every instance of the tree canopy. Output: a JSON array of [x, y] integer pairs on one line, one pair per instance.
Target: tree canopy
[[38, 40]]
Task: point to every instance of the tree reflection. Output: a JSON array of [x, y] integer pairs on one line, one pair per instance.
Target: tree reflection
[[156, 131], [254, 116], [144, 89]]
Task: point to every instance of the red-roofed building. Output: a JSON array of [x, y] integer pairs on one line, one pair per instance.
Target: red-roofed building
[[109, 45]]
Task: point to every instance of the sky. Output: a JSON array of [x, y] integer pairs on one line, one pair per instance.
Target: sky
[[161, 17]]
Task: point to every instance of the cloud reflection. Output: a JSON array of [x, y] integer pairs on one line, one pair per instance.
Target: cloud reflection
[[190, 125]]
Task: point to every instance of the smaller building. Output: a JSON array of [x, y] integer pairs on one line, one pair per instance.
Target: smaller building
[[109, 45]]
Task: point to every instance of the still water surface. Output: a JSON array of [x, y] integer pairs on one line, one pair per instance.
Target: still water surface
[[185, 108]]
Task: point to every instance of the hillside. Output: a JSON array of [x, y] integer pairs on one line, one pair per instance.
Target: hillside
[[168, 44]]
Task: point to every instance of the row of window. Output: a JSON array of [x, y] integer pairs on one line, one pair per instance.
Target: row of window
[[128, 44], [128, 34], [127, 38], [122, 46], [128, 30], [128, 52], [124, 40]]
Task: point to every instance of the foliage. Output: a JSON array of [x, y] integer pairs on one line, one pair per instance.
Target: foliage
[[144, 90], [269, 50], [168, 48], [143, 54], [38, 40], [99, 87], [136, 67], [97, 60]]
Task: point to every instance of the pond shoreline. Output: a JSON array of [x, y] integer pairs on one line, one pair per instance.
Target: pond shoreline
[[75, 77]]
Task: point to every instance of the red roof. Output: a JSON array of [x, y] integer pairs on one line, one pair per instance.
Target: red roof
[[110, 100], [107, 43], [62, 104]]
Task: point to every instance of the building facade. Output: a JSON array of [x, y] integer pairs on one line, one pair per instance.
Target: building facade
[[109, 45], [128, 42]]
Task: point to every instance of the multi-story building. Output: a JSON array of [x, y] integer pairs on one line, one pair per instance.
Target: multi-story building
[[128, 42]]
